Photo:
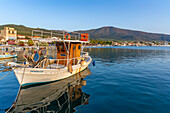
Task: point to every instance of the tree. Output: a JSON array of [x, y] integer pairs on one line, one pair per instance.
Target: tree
[[21, 43], [27, 38], [101, 41], [108, 42], [30, 42], [96, 41]]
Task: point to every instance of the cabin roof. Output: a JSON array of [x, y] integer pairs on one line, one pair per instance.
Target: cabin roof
[[58, 40]]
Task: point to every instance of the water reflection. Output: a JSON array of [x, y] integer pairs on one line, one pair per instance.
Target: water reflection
[[61, 96], [121, 56]]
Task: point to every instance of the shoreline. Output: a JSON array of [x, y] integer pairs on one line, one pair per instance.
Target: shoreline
[[129, 46], [19, 48]]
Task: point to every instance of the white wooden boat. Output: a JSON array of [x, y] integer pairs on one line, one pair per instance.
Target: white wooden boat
[[5, 54], [39, 69], [29, 76]]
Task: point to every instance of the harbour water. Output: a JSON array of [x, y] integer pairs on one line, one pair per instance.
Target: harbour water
[[124, 80]]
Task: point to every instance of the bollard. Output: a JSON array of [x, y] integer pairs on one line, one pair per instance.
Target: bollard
[[93, 63]]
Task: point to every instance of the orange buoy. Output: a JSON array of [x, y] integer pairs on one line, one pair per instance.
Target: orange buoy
[[69, 36], [84, 36]]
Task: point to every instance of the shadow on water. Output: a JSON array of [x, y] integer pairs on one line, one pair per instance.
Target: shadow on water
[[61, 96]]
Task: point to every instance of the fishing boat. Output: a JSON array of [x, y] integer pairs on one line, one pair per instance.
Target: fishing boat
[[7, 56], [70, 59]]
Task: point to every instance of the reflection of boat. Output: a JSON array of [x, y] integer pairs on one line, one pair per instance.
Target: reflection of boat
[[70, 59], [62, 96]]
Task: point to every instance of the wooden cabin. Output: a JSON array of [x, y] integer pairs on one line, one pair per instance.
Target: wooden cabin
[[64, 51]]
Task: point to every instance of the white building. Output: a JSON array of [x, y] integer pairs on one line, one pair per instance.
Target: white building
[[9, 33]]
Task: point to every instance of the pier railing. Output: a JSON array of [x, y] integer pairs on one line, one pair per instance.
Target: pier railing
[[63, 35]]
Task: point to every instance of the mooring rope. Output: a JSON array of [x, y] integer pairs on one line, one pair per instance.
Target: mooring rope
[[19, 90], [1, 79], [5, 75], [1, 71]]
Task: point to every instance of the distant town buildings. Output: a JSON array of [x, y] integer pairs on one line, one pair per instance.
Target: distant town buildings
[[166, 43], [37, 37], [9, 36], [56, 38], [9, 33], [23, 40], [2, 39], [28, 37], [20, 36]]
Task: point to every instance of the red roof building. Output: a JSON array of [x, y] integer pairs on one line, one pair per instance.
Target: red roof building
[[37, 37]]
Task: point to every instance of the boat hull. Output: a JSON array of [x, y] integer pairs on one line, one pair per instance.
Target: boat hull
[[7, 56], [31, 76]]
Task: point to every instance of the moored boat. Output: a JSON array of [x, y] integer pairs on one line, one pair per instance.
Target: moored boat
[[7, 56], [70, 59]]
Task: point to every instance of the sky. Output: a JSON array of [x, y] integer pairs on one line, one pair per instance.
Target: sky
[[144, 15]]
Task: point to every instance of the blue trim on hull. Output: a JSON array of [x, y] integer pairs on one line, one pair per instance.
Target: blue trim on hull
[[34, 83], [38, 83]]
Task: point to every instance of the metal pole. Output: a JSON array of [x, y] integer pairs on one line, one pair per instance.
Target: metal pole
[[32, 33], [63, 34], [79, 36], [41, 34], [51, 34], [68, 53]]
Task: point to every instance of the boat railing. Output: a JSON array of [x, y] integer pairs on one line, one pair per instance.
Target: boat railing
[[59, 62], [75, 61], [84, 53]]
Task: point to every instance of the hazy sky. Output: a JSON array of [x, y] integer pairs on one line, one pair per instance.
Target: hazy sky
[[144, 15]]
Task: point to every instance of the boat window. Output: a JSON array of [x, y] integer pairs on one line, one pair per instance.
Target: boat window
[[79, 47], [62, 48], [57, 45], [74, 47]]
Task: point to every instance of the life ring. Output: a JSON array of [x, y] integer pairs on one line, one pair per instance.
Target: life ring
[[69, 36], [84, 36]]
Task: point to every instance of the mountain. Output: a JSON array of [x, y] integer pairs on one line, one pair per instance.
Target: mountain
[[113, 33], [103, 33]]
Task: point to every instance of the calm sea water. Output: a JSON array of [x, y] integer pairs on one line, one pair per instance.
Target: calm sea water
[[124, 80]]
